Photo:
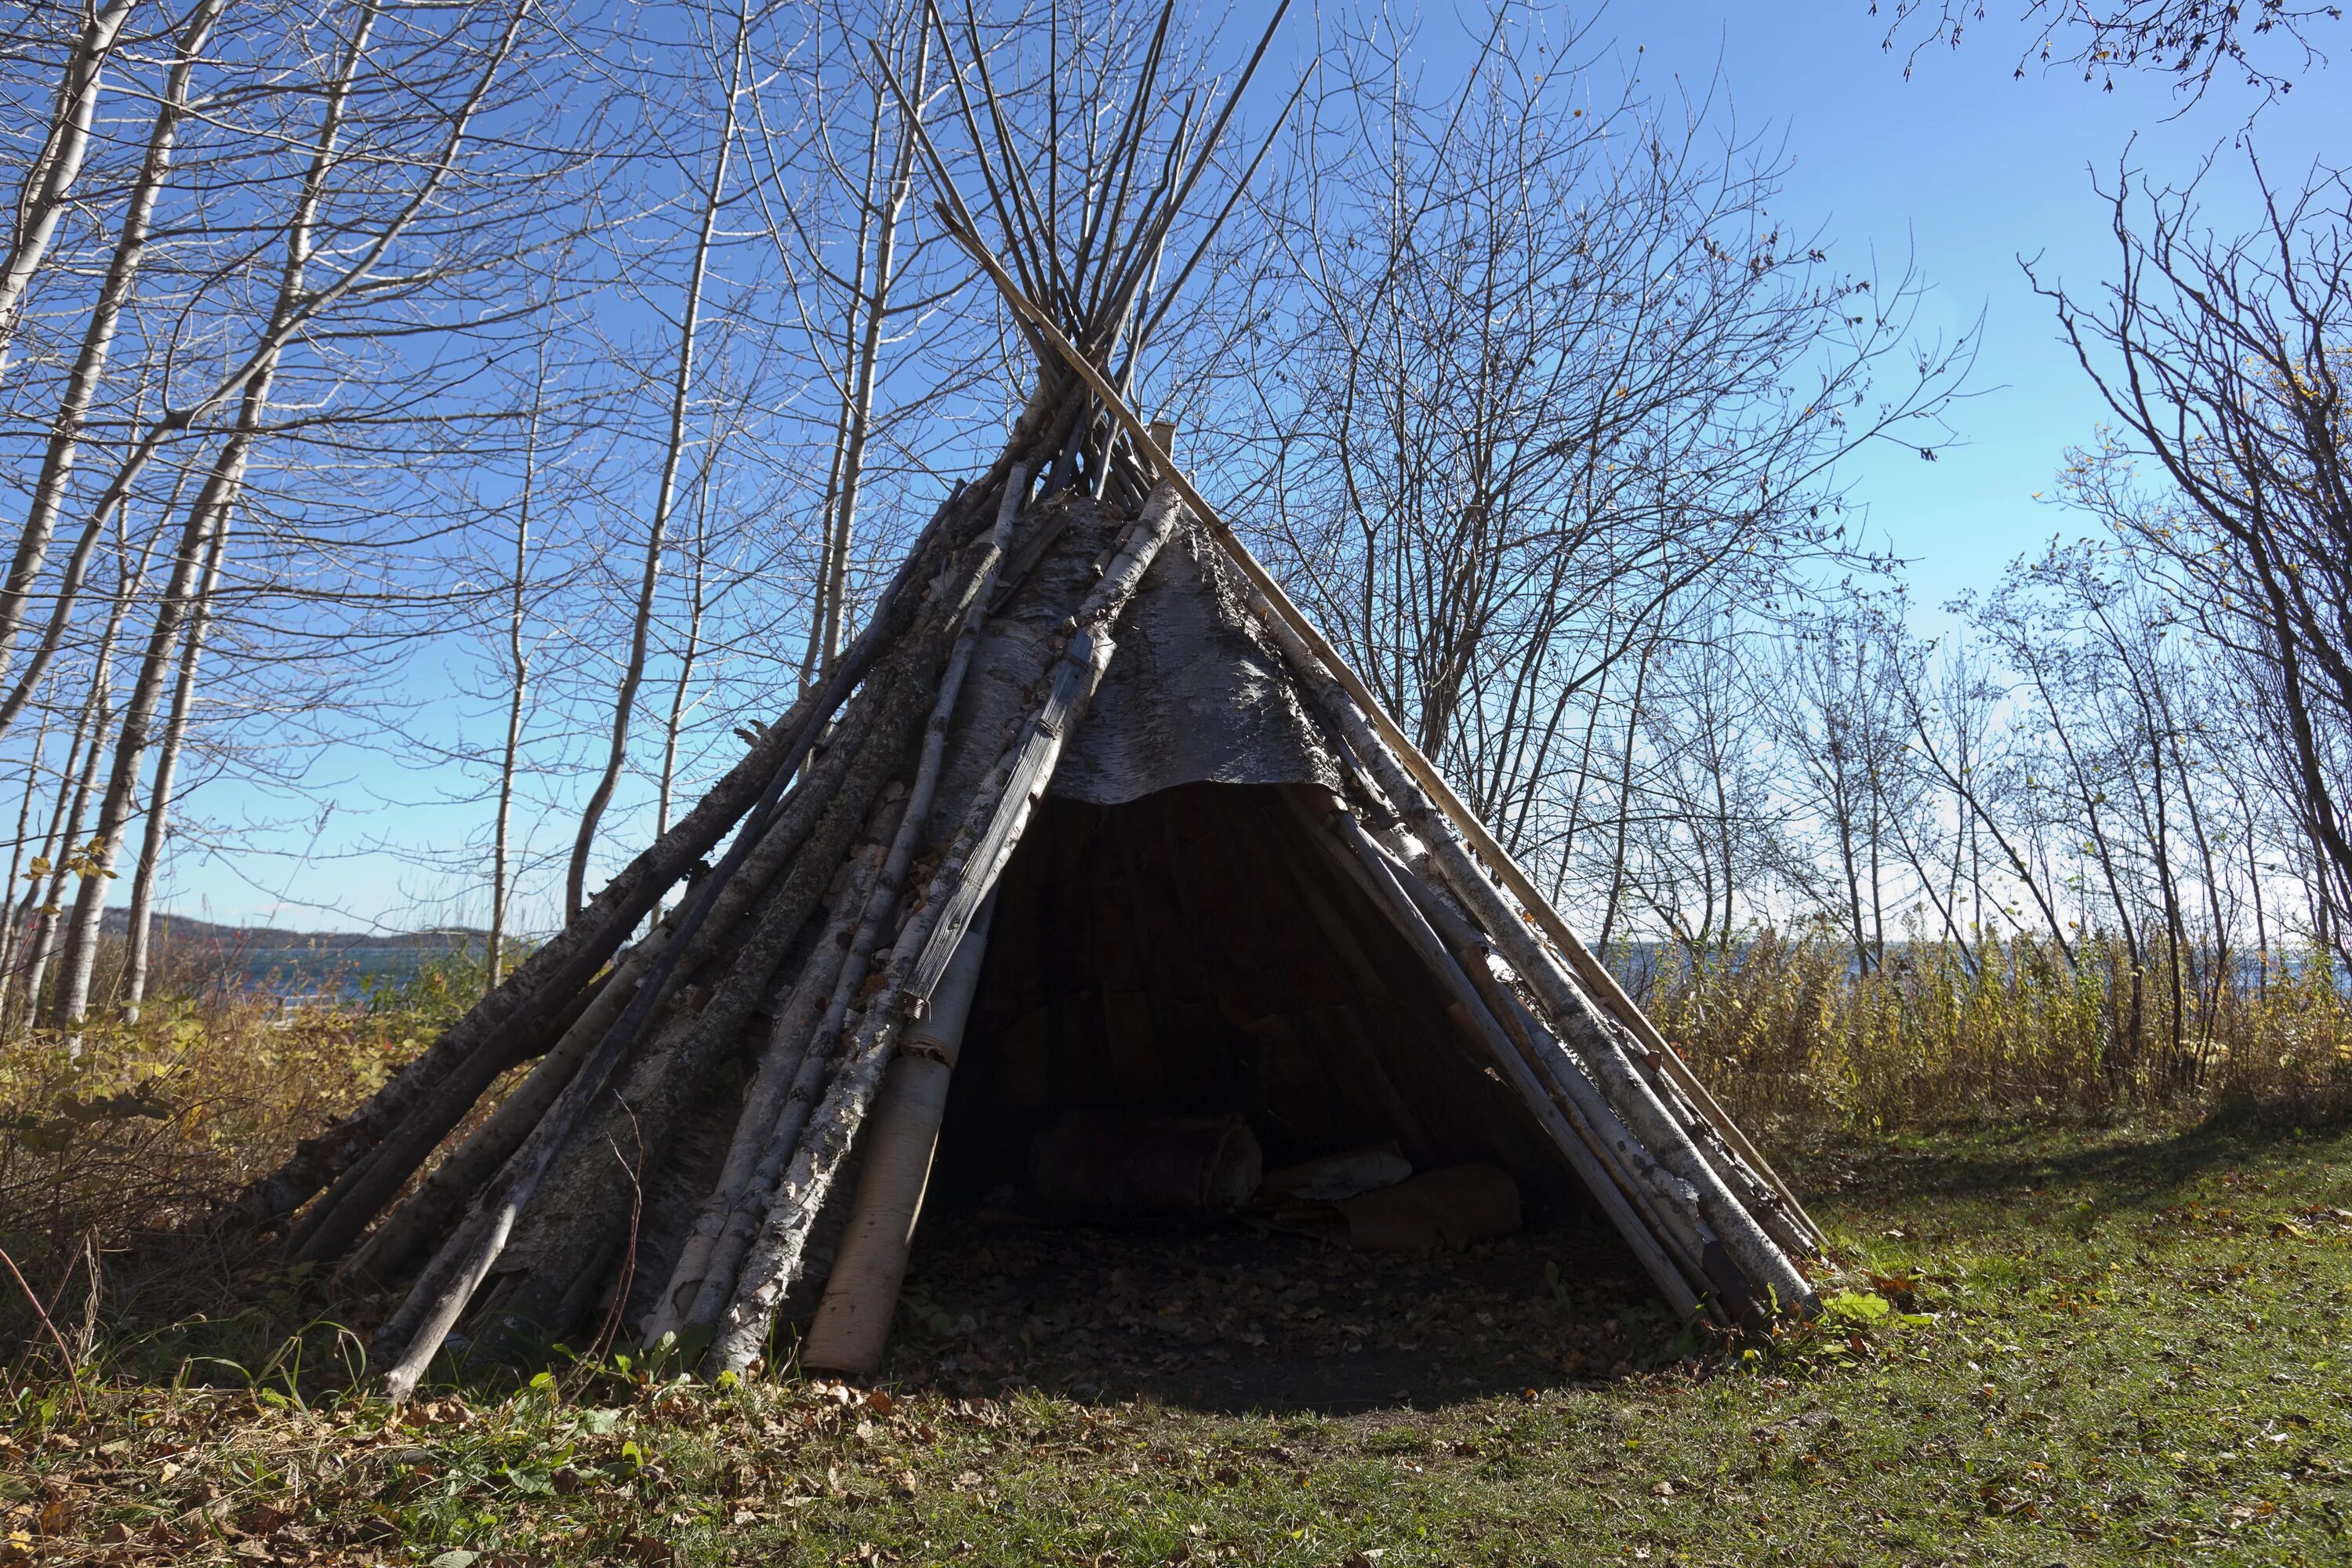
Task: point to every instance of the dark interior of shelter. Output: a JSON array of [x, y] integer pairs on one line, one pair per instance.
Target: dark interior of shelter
[[1195, 955], [1193, 952]]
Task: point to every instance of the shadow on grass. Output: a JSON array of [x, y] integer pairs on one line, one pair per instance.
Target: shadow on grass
[[1230, 1320], [2113, 1168]]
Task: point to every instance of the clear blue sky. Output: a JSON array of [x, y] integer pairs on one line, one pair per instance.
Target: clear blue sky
[[1969, 167], [1962, 167]]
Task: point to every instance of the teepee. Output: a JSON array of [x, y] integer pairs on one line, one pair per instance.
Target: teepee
[[1090, 809]]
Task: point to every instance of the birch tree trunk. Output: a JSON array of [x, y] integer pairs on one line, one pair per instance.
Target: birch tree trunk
[[71, 853], [65, 831], [632, 673], [519, 678], [208, 514], [89, 368], [48, 185], [869, 358], [11, 929], [136, 939], [207, 520], [28, 916]]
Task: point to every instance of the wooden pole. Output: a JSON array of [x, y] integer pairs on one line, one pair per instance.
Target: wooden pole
[[509, 1020], [1733, 1219], [770, 1127], [712, 917], [1415, 867], [442, 1294], [1470, 1012], [999, 812], [425, 1217], [776, 1081], [853, 1320]]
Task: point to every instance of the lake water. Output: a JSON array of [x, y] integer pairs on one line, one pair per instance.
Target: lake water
[[316, 974]]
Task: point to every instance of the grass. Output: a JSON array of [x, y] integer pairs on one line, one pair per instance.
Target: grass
[[2051, 1345], [146, 1126]]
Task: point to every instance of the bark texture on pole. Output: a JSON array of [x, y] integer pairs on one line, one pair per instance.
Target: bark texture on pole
[[1600, 1052], [514, 1018], [991, 829], [861, 1293]]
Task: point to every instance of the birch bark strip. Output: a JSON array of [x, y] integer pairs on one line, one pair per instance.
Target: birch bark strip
[[706, 1268]]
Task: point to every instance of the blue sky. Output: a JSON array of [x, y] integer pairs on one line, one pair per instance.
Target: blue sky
[[1962, 168], [1967, 167]]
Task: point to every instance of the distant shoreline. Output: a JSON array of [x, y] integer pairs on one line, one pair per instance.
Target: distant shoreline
[[299, 968], [173, 928]]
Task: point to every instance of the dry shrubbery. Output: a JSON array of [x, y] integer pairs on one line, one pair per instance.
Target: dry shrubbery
[[1786, 1032], [151, 1124], [148, 1126]]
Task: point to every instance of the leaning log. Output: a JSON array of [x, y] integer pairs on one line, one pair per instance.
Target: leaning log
[[512, 1020], [775, 1079], [853, 1320], [425, 1217], [355, 1201], [1573, 1020], [1471, 1013], [705, 1271], [585, 1192], [991, 827]]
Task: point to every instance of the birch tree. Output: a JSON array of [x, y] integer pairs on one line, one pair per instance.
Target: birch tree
[[299, 302], [713, 197], [50, 489], [48, 185]]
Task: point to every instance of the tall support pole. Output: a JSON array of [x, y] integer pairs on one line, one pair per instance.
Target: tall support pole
[[853, 1320]]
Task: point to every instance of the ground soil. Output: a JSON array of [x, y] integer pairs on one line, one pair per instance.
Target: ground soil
[[1237, 1316]]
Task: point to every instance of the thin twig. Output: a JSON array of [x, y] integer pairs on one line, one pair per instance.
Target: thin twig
[[612, 1325], [73, 1382]]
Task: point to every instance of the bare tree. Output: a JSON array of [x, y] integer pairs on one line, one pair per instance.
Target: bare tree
[[1552, 389], [11, 924], [137, 946], [81, 389], [2224, 362], [2187, 39], [66, 852], [518, 674], [297, 300], [881, 195], [1842, 720], [689, 653], [48, 185], [681, 393]]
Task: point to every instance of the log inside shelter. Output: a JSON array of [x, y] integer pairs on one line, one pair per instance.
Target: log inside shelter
[[1090, 830]]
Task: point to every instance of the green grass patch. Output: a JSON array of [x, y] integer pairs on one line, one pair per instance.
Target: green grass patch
[[2044, 1347]]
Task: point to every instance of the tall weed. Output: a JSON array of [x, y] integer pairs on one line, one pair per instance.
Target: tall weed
[[1785, 1029]]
